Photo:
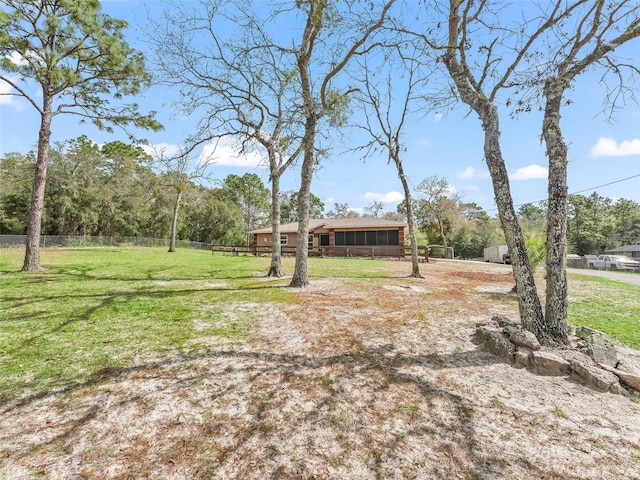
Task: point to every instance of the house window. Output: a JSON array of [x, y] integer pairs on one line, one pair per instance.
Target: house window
[[310, 240], [284, 239]]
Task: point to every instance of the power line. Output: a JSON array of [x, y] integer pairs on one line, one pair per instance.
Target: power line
[[579, 191], [607, 184]]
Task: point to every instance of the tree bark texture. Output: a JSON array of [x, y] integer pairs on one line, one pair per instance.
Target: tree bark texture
[[555, 327], [300, 276], [275, 270], [529, 304], [34, 225]]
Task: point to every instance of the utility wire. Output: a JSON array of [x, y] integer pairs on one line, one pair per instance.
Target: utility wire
[[579, 191]]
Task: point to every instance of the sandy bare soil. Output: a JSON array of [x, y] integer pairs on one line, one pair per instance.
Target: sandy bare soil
[[352, 381]]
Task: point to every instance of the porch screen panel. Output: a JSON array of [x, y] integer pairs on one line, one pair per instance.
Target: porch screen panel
[[340, 240], [393, 237], [382, 237], [350, 238], [361, 238], [371, 238]]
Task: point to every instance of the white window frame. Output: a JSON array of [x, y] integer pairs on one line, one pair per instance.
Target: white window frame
[[285, 238]]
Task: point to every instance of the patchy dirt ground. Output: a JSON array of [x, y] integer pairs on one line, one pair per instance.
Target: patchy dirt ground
[[353, 381]]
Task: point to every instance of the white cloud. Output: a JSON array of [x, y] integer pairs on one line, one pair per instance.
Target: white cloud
[[389, 197], [530, 172], [470, 172], [450, 190], [608, 147], [161, 149], [16, 59], [223, 153], [5, 98], [13, 100]]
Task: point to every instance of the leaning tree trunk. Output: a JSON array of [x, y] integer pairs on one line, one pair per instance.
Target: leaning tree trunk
[[34, 225], [556, 326], [275, 270], [529, 305], [415, 262], [174, 221], [528, 301]]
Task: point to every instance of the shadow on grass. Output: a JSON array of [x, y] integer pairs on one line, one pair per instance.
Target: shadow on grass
[[103, 301]]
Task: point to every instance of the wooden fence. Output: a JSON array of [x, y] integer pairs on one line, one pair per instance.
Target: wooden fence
[[378, 251]]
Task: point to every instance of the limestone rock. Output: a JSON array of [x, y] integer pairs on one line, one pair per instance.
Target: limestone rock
[[509, 329], [549, 363], [597, 377], [525, 338], [630, 379], [503, 321], [585, 332], [522, 356], [498, 344], [483, 332], [575, 356], [599, 346]]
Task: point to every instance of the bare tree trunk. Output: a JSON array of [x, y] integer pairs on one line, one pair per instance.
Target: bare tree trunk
[[529, 304], [415, 262], [34, 225], [275, 270], [174, 221], [556, 326], [300, 277]]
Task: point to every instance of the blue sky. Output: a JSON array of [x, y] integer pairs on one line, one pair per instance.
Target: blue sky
[[447, 144]]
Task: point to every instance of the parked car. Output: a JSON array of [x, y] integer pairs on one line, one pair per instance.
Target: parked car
[[614, 262]]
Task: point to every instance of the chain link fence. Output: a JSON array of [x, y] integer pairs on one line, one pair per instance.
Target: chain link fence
[[97, 241]]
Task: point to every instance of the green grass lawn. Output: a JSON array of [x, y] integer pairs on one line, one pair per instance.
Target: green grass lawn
[[98, 308], [609, 306], [95, 308]]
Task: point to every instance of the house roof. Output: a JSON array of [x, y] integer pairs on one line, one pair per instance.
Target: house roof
[[624, 248], [336, 223]]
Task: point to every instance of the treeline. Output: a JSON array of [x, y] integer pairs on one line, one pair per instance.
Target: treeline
[[116, 190], [594, 224]]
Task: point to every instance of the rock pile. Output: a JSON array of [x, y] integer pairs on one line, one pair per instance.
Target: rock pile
[[593, 359]]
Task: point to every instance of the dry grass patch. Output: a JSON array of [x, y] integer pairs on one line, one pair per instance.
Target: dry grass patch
[[348, 379]]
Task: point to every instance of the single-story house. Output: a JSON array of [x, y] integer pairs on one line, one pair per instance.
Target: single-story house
[[632, 251], [340, 237]]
